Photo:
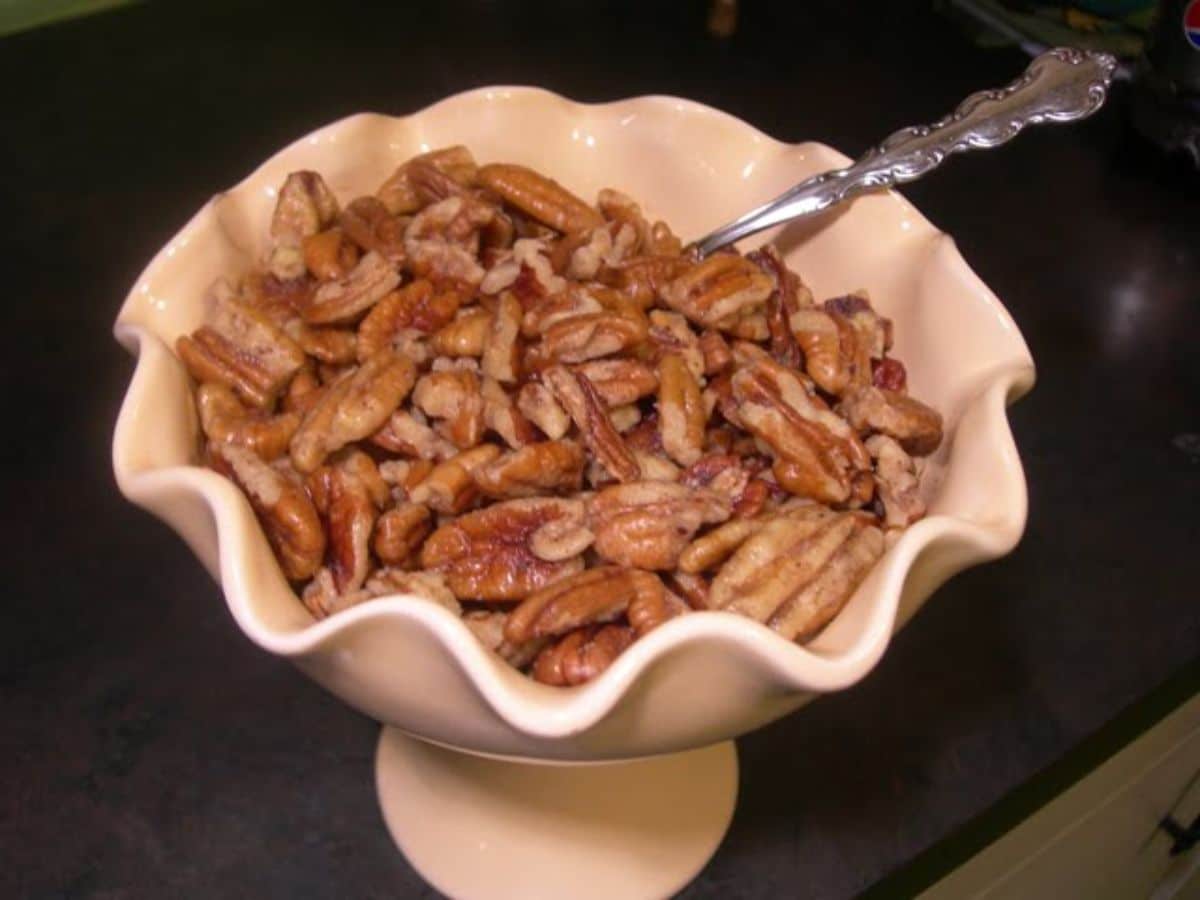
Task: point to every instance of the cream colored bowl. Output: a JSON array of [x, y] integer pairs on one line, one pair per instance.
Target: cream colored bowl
[[698, 679]]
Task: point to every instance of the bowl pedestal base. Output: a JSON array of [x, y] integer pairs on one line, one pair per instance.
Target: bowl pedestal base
[[477, 827]]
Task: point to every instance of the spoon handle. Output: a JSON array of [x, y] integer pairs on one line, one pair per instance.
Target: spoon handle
[[1061, 85]]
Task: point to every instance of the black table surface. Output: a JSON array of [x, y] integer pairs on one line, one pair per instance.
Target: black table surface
[[149, 750]]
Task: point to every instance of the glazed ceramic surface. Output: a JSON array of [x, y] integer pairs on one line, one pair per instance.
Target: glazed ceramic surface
[[699, 679]]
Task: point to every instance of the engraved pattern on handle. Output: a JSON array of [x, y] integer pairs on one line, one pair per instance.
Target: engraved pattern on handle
[[1061, 85]]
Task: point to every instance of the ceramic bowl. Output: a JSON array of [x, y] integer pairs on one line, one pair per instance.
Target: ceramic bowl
[[698, 679]]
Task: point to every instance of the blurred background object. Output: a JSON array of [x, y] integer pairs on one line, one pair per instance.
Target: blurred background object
[[1158, 41], [21, 15]]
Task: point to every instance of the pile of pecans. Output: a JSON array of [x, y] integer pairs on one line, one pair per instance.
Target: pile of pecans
[[475, 387]]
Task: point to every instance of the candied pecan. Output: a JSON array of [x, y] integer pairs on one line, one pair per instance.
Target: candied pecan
[[873, 330], [789, 296], [587, 253], [328, 255], [717, 355], [590, 597], [538, 196], [400, 531], [720, 472], [645, 436], [404, 475], [456, 220], [537, 403], [225, 420], [652, 606], [670, 333], [287, 516], [454, 397], [418, 306], [444, 263], [753, 498], [349, 519], [916, 426], [623, 209], [242, 349], [345, 299], [833, 356], [889, 374], [645, 278], [488, 626], [681, 413], [543, 312], [694, 589], [896, 478], [625, 416], [540, 468], [619, 381], [399, 193], [710, 550], [663, 241], [352, 408], [367, 222], [501, 416], [303, 391], [722, 292], [501, 353], [798, 570], [647, 524], [467, 335], [332, 346], [450, 486], [486, 554], [581, 655], [580, 338], [527, 270], [279, 300], [579, 398], [655, 468], [404, 433], [817, 455], [305, 206]]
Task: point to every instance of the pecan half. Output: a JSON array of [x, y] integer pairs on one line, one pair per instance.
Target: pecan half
[[896, 479], [619, 381], [501, 353], [544, 312], [367, 222], [681, 412], [224, 420], [647, 524], [352, 408], [349, 519], [717, 355], [816, 453], [670, 333], [486, 555], [399, 193], [454, 397], [418, 306], [917, 427], [282, 507], [581, 655], [467, 335], [450, 486], [332, 346], [329, 255], [404, 433], [582, 403], [400, 531], [590, 597], [774, 575], [404, 475], [305, 206], [243, 349], [456, 220], [501, 416], [645, 278], [543, 468], [539, 406], [539, 197], [721, 292], [580, 338], [710, 550], [345, 299]]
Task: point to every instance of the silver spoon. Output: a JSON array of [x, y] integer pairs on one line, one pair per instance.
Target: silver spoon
[[1061, 85]]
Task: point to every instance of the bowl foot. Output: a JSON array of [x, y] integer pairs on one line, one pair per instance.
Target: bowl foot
[[477, 827]]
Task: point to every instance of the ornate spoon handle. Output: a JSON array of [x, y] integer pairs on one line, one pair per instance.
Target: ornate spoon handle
[[1061, 85]]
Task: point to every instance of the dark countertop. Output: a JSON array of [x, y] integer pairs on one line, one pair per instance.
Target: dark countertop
[[149, 750]]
